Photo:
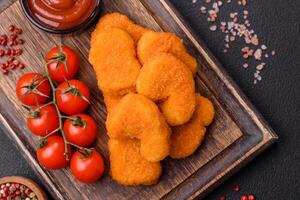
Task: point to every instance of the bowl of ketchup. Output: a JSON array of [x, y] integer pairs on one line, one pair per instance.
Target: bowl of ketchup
[[61, 16]]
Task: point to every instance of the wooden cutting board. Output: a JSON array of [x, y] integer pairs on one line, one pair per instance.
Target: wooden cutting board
[[237, 135]]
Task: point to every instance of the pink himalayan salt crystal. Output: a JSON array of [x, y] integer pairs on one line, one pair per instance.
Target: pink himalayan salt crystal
[[260, 66], [258, 54], [213, 28], [254, 40], [235, 28], [273, 52], [245, 65]]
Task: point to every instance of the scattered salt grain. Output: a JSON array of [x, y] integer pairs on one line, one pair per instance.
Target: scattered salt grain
[[213, 28], [260, 66], [273, 52], [257, 54], [235, 27], [263, 47], [245, 65], [203, 10], [258, 76], [254, 40]]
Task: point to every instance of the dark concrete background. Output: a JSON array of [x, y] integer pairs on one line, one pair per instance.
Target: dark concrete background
[[275, 173]]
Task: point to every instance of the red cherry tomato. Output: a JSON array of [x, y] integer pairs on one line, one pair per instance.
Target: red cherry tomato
[[87, 169], [72, 97], [80, 129], [51, 153], [33, 88], [63, 63], [43, 120]]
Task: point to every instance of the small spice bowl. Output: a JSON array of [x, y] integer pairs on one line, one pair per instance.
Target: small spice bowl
[[88, 22], [15, 186]]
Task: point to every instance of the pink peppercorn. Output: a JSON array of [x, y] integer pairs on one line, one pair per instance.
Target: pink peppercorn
[[11, 28], [251, 197]]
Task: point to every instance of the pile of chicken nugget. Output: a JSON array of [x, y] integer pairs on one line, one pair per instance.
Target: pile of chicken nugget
[[147, 80]]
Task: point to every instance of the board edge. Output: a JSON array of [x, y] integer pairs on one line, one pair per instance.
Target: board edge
[[271, 135]]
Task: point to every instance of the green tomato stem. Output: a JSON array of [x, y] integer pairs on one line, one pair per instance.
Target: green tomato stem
[[60, 116]]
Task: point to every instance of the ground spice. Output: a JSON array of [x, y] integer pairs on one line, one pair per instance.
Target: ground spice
[[11, 48], [237, 26], [16, 191]]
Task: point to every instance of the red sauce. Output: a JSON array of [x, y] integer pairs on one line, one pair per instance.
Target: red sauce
[[62, 14]]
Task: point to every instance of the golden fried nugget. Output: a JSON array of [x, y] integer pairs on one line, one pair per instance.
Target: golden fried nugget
[[167, 80], [128, 167], [113, 57], [111, 101], [153, 43], [185, 139], [206, 110], [136, 116], [118, 20]]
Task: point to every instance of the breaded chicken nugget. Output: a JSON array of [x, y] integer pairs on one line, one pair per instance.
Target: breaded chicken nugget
[[128, 167], [111, 101], [186, 138], [153, 43], [118, 20], [135, 116], [167, 80], [113, 57], [206, 110]]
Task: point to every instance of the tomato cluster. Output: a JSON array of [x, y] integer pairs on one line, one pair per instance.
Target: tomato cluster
[[46, 103]]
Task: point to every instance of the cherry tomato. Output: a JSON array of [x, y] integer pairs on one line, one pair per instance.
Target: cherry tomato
[[33, 88], [63, 63], [87, 168], [51, 153], [72, 97], [43, 120], [80, 129]]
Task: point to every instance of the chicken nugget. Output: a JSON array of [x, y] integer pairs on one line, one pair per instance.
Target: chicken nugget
[[136, 116], [118, 20], [153, 43], [185, 139], [111, 101], [128, 167], [113, 57], [167, 80], [206, 110]]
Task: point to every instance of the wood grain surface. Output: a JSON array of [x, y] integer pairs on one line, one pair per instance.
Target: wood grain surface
[[236, 136], [5, 3]]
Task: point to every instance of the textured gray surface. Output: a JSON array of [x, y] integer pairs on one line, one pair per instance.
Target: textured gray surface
[[275, 173], [11, 161]]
